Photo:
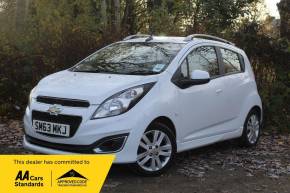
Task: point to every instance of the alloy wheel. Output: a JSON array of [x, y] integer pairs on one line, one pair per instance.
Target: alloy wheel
[[155, 151], [253, 128]]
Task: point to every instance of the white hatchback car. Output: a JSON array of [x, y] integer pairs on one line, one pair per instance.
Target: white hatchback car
[[146, 98]]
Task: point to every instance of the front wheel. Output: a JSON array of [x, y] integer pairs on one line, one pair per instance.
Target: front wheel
[[156, 150]]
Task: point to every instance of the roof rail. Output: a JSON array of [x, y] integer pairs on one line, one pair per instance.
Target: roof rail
[[136, 36], [204, 36]]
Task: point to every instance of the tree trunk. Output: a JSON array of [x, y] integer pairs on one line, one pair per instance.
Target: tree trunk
[[117, 15], [151, 5], [104, 15], [196, 18], [128, 21], [284, 10], [21, 13]]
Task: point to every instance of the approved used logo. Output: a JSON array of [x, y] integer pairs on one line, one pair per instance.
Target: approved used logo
[[72, 178]]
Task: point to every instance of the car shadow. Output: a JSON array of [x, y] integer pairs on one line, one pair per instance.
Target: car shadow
[[124, 171]]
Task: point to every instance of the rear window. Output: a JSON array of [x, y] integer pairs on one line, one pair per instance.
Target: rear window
[[231, 61]]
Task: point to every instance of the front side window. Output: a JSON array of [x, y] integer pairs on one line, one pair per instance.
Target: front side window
[[136, 58], [202, 58], [231, 61]]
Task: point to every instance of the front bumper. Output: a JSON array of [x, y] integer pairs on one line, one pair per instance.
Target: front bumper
[[90, 132], [112, 144], [44, 150]]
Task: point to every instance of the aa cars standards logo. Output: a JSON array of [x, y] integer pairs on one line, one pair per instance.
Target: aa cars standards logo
[[72, 178], [26, 179]]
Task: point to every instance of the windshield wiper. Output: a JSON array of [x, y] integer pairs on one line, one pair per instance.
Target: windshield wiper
[[88, 71], [140, 72]]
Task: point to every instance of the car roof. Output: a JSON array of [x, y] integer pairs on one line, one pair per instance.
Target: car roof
[[181, 40], [165, 39]]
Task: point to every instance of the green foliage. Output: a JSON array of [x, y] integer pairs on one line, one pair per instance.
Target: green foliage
[[55, 34], [271, 61], [192, 16]]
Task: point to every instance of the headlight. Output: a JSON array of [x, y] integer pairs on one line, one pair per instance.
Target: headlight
[[30, 97], [122, 101]]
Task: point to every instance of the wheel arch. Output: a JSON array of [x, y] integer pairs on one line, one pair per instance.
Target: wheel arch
[[253, 101], [258, 109], [167, 121]]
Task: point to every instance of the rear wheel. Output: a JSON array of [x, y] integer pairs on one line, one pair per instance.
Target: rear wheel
[[252, 129], [156, 150]]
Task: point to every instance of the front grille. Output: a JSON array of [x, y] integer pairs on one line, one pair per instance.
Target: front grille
[[63, 101], [73, 121]]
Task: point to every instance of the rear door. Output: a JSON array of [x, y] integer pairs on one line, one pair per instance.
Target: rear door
[[235, 90]]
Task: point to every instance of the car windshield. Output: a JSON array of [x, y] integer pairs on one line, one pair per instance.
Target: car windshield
[[136, 58]]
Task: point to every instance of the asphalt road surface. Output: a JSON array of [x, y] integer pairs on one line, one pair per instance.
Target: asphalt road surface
[[220, 168]]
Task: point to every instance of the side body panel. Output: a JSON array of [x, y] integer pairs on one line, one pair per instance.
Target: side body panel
[[208, 116]]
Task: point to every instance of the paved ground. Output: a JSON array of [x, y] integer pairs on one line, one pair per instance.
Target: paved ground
[[223, 167]]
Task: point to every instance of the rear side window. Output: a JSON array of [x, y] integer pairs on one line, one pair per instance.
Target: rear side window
[[231, 61]]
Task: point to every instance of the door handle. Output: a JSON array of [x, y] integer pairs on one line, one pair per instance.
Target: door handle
[[218, 91]]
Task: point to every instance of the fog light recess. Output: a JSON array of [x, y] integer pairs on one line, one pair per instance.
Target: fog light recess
[[111, 144]]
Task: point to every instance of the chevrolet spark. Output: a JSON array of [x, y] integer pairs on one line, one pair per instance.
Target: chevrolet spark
[[145, 99]]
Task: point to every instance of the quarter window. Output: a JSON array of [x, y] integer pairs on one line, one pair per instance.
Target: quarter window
[[184, 69], [202, 58], [231, 61]]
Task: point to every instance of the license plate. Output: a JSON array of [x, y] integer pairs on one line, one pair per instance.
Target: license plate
[[51, 128]]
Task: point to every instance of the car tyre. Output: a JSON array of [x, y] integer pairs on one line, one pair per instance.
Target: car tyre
[[156, 151], [252, 129]]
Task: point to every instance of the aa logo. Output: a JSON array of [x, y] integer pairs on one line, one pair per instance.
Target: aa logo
[[72, 178], [24, 179]]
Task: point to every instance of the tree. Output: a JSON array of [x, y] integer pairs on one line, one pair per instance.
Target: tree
[[129, 17], [21, 13], [284, 10], [104, 15], [117, 15]]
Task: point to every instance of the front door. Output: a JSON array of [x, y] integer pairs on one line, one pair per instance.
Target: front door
[[201, 106]]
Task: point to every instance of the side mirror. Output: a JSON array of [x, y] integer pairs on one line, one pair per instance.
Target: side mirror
[[199, 77]]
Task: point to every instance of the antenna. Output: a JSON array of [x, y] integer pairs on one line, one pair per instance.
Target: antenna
[[149, 38]]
